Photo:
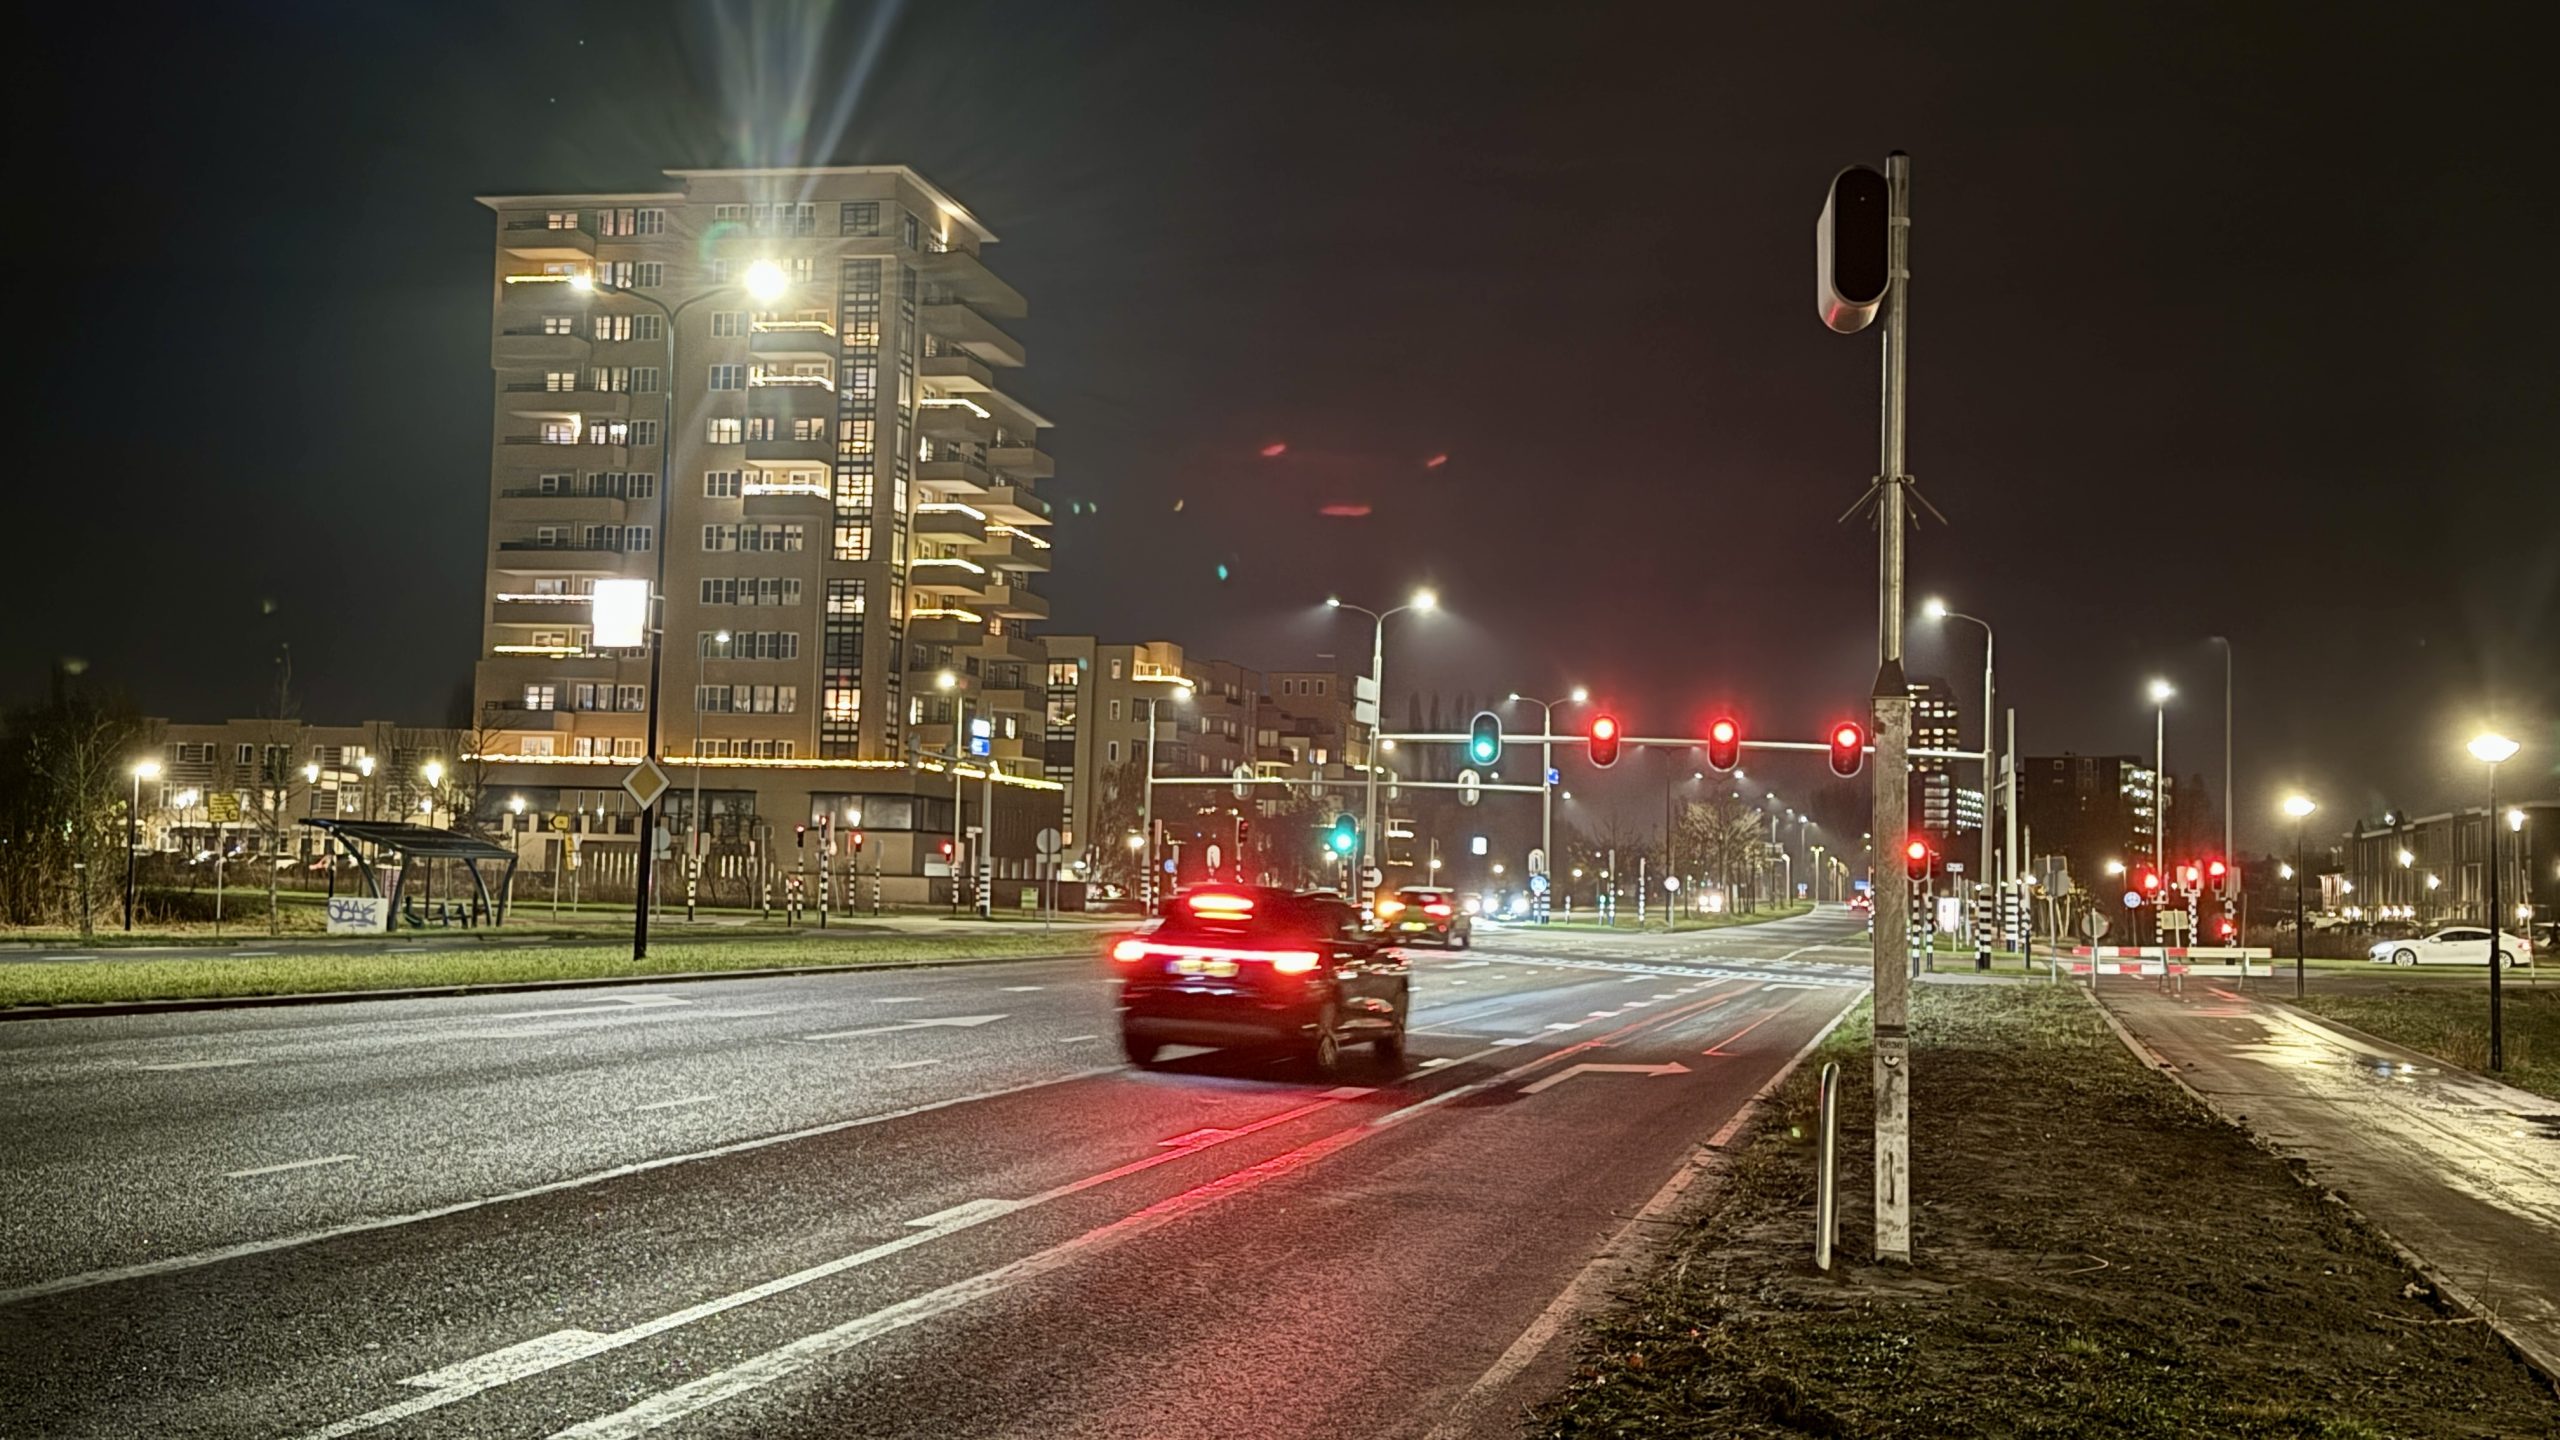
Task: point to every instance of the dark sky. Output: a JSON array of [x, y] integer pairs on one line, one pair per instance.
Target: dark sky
[[2227, 320]]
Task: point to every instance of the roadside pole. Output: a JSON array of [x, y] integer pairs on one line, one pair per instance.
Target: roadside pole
[[1891, 815]]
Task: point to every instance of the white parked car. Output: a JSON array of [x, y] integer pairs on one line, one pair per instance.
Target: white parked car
[[2453, 945]]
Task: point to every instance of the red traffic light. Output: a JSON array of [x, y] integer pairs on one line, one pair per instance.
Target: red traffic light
[[1848, 749], [2150, 880], [1724, 743], [946, 849], [1604, 740], [2215, 870], [1915, 859]]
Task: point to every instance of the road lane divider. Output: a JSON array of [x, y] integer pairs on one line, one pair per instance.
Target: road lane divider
[[312, 1164], [947, 1022]]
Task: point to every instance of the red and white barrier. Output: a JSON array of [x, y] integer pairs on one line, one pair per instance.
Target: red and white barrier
[[2171, 959]]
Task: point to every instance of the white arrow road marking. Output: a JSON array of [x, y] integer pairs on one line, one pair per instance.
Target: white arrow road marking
[[1667, 1067], [947, 1022]]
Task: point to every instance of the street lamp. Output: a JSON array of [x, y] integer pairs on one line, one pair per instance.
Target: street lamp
[[142, 770], [1147, 801], [364, 767], [433, 773], [2162, 692], [764, 282], [2300, 808], [2493, 749], [1937, 610], [1424, 600], [1546, 773]]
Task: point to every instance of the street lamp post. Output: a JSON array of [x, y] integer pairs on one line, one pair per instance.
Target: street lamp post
[[2493, 750], [1937, 610], [2162, 692], [364, 767], [2300, 808], [1147, 800], [764, 282], [1370, 851], [142, 770], [1546, 769], [693, 839]]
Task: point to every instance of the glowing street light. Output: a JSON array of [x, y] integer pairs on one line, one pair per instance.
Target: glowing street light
[[142, 770], [1425, 600], [766, 282], [2493, 749], [1546, 769]]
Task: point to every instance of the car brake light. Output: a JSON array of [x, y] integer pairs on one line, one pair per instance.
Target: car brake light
[[1293, 962], [1222, 904], [1437, 910], [1128, 950]]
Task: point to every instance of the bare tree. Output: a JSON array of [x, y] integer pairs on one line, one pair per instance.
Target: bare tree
[[271, 778], [1724, 834], [1118, 809], [65, 776]]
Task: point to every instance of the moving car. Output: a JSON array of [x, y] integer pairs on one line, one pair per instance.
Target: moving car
[[1424, 912], [2453, 945], [1862, 904], [1259, 965]]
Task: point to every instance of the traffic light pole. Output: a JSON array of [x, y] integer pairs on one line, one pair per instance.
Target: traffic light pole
[[1892, 731]]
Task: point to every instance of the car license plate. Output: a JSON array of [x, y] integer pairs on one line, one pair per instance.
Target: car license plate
[[1217, 966], [1414, 925]]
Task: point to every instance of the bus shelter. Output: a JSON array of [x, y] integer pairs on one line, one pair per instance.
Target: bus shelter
[[388, 855]]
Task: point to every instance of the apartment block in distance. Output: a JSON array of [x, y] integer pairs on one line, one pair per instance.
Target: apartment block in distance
[[850, 530]]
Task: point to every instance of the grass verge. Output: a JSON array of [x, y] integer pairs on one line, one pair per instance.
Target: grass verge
[[187, 978], [2451, 1022], [1688, 923], [2097, 1257]]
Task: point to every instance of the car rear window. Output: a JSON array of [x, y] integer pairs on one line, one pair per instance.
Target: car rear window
[[1422, 897]]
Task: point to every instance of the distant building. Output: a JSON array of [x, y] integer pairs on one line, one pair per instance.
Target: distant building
[[2093, 809], [2445, 877], [1939, 806]]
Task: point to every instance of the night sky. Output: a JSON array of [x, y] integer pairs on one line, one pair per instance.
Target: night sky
[[2227, 320]]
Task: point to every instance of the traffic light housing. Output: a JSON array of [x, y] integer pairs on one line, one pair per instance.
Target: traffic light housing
[[857, 841], [1724, 743], [1915, 859], [946, 849], [1484, 739], [1851, 250], [1848, 749], [1604, 740], [1344, 837]]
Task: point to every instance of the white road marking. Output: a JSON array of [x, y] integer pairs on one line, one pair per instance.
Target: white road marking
[[619, 1006], [913, 1064], [947, 1022], [967, 1212], [253, 954], [1632, 980], [1022, 989], [1667, 1067], [288, 1165], [527, 1357], [199, 1064], [895, 999], [672, 1104], [1076, 1039], [201, 1258]]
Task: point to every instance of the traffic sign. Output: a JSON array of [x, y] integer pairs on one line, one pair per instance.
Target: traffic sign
[[1537, 862], [1214, 856], [2094, 925], [2133, 899], [1468, 794], [1554, 776], [1244, 781], [559, 822], [1671, 883], [646, 782], [1046, 842], [222, 807], [1538, 884], [1370, 877]]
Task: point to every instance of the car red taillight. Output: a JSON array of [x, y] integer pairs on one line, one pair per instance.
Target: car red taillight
[[1438, 910], [1291, 962], [1128, 950]]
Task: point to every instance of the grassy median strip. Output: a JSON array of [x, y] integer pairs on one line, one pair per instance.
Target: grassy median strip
[[2096, 1257], [1688, 922], [316, 971], [2450, 1020]]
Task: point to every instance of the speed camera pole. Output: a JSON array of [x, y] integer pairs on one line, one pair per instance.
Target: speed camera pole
[[1862, 252]]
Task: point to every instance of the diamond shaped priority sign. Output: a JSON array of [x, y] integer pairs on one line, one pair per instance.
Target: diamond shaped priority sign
[[646, 783]]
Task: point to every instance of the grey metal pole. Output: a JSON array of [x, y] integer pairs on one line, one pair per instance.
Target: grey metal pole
[[2301, 917], [1990, 879], [959, 809], [1826, 1196], [1892, 700], [983, 863], [1369, 849], [1147, 814], [2227, 857], [1546, 800], [2497, 1031]]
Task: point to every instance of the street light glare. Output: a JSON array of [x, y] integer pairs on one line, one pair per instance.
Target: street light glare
[[2493, 748], [1333, 602], [146, 770], [1426, 600], [945, 680], [1934, 608], [1580, 694], [2162, 692], [2298, 806], [583, 283], [766, 282]]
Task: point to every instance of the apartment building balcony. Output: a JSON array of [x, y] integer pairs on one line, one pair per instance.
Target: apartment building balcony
[[961, 371], [1013, 602], [521, 345], [510, 608], [787, 403], [550, 557], [1026, 462], [1007, 549], [1011, 646], [534, 400], [820, 451], [495, 716], [945, 520], [961, 275], [971, 331], [955, 422], [1013, 505], [535, 238], [948, 583], [533, 502], [953, 479], [539, 447], [945, 627], [792, 340]]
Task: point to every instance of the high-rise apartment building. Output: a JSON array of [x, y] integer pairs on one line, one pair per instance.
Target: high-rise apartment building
[[2095, 810], [824, 467]]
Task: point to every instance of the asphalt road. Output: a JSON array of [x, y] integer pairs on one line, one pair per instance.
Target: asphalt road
[[925, 1202]]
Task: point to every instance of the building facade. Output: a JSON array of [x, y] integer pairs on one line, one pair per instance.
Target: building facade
[[2422, 871], [2095, 810], [784, 393]]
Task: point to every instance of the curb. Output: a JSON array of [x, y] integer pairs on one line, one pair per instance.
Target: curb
[[500, 987], [2545, 1368]]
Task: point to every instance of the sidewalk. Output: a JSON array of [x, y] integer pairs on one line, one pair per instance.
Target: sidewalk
[[2460, 1170]]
